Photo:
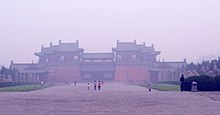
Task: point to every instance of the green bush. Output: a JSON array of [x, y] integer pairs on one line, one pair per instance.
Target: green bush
[[188, 81], [217, 79], [205, 83]]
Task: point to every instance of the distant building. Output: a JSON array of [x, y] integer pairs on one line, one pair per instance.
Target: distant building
[[97, 66], [133, 61], [62, 61], [128, 61], [167, 71], [30, 72]]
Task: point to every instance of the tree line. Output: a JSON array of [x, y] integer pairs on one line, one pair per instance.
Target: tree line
[[210, 68], [7, 74]]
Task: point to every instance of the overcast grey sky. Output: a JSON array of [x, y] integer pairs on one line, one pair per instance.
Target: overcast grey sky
[[178, 28]]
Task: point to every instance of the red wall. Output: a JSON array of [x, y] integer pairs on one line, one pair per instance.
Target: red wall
[[64, 74], [133, 73]]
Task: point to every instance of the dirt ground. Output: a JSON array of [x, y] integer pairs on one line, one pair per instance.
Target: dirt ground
[[112, 99]]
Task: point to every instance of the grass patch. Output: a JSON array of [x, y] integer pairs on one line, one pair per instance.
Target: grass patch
[[168, 82], [24, 88], [161, 86], [165, 87]]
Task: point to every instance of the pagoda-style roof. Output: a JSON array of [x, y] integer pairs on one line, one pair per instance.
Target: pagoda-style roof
[[61, 47], [28, 68], [126, 46], [133, 46], [97, 56], [144, 48]]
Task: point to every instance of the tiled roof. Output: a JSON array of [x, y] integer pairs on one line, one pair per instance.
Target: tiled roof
[[28, 68], [62, 47], [126, 46], [170, 65], [97, 56], [133, 46], [66, 47], [176, 64], [144, 48]]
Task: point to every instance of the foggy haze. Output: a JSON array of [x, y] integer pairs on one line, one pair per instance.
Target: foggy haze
[[178, 28]]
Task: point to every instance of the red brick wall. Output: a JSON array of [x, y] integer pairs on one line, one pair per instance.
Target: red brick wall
[[64, 74], [134, 73]]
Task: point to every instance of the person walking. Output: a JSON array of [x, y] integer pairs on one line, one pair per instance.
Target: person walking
[[182, 82], [94, 83], [88, 86], [99, 85], [42, 84], [149, 86]]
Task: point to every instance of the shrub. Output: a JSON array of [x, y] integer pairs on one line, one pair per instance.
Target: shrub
[[188, 81], [217, 79], [205, 83]]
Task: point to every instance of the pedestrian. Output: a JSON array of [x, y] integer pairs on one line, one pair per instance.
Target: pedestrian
[[75, 83], [149, 86], [88, 85], [182, 82], [94, 83], [42, 84], [99, 85], [102, 82]]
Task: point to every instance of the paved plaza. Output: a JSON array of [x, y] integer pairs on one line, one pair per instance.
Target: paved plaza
[[113, 99]]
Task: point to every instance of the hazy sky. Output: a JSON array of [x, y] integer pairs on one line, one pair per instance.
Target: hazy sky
[[178, 28]]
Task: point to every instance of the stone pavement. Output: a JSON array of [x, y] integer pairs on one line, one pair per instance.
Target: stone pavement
[[113, 99]]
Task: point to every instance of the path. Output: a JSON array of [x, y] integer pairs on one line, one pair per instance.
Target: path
[[113, 99]]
